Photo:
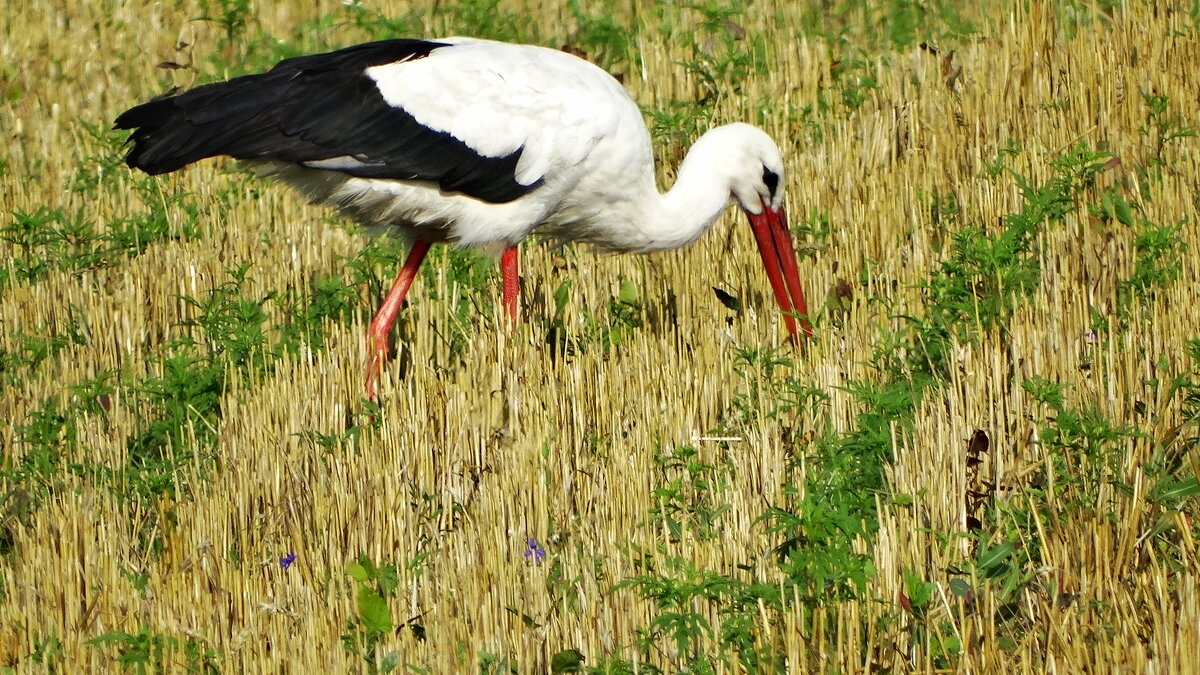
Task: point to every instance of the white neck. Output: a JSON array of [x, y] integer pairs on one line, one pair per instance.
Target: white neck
[[677, 218]]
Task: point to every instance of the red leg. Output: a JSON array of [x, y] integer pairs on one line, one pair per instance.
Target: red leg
[[512, 282], [381, 325]]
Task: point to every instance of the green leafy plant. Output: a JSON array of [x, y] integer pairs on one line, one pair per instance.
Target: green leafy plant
[[231, 16], [373, 621], [1162, 127], [603, 331], [988, 271], [689, 493], [602, 39], [149, 651], [723, 53], [686, 596], [46, 650], [1159, 256], [1084, 448], [60, 239], [42, 441]]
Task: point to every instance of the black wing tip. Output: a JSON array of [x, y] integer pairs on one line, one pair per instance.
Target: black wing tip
[[150, 113], [144, 120], [134, 162]]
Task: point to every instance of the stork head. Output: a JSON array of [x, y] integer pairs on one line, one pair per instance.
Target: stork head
[[755, 167], [756, 177]]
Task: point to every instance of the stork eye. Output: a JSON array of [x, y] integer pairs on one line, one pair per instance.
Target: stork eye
[[771, 180]]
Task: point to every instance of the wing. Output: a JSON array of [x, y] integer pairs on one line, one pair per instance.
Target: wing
[[446, 112], [499, 98]]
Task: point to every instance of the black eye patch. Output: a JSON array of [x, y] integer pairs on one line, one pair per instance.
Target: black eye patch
[[771, 180]]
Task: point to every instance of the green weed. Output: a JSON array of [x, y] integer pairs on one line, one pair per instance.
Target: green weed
[[815, 226], [723, 54], [1159, 256], [1074, 15], [1163, 130], [484, 19], [58, 240], [16, 365], [999, 163], [1084, 449], [492, 663], [769, 391], [231, 16], [1163, 127], [329, 300], [900, 23], [567, 661], [603, 331], [1159, 252], [48, 434], [374, 585], [856, 78], [821, 522], [675, 124], [61, 239], [683, 595], [374, 24], [988, 271], [1082, 474], [918, 599], [690, 493], [46, 650], [149, 651], [600, 37]]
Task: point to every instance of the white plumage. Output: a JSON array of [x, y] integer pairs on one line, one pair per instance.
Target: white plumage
[[475, 142]]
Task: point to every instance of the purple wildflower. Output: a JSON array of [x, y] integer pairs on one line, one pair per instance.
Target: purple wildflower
[[287, 560], [1091, 336], [533, 550]]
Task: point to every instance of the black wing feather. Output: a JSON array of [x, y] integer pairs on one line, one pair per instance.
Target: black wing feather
[[311, 108]]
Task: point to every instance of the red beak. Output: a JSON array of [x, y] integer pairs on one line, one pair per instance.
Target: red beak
[[779, 258]]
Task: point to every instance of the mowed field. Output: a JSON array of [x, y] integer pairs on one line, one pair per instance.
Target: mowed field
[[985, 461]]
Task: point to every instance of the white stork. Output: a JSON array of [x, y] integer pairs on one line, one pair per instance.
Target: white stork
[[478, 143]]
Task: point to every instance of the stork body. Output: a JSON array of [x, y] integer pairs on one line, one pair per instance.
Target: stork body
[[473, 142]]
